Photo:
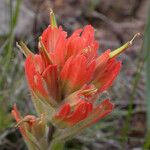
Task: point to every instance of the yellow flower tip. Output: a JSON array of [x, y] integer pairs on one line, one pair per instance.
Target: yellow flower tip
[[89, 91], [40, 42], [53, 22], [43, 50], [25, 50], [135, 36], [124, 47], [41, 45]]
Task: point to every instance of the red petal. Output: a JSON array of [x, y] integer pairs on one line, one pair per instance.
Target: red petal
[[88, 35], [33, 68], [76, 72], [103, 109], [51, 36], [15, 113], [79, 114], [106, 71], [107, 79], [89, 107], [51, 80], [39, 85], [84, 42], [101, 63], [98, 113], [73, 48], [59, 53], [63, 112]]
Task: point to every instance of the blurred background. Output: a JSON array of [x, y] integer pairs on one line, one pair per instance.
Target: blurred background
[[115, 22]]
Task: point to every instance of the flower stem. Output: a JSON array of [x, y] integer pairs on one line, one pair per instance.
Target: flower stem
[[57, 145]]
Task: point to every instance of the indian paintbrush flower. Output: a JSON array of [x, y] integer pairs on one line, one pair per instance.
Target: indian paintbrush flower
[[65, 79]]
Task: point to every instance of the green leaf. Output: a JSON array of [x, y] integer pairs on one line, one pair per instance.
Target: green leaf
[[42, 106]]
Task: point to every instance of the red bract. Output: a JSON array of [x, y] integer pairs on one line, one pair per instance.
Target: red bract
[[68, 74]]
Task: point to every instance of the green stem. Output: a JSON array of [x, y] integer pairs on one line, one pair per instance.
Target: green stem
[[57, 145]]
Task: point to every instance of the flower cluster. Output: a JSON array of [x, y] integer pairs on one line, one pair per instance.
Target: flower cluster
[[65, 79]]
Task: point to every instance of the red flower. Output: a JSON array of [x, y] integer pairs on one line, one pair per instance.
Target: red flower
[[69, 75], [26, 122], [33, 130], [68, 66]]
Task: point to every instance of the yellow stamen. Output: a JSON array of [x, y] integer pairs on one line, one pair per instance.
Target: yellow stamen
[[124, 47], [22, 46], [89, 91], [42, 47], [53, 22], [86, 50]]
